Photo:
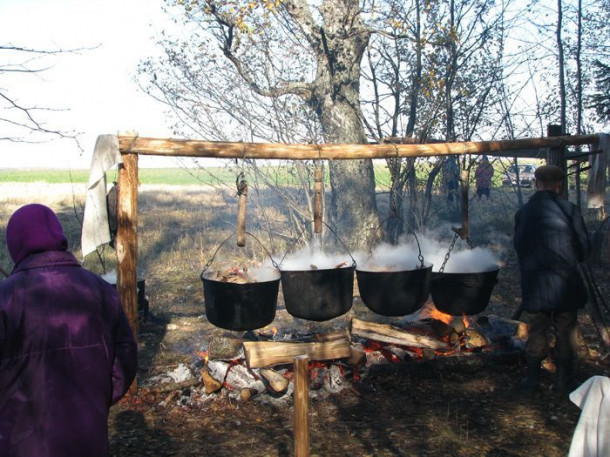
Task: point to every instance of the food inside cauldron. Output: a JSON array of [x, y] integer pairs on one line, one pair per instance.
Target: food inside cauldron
[[236, 275]]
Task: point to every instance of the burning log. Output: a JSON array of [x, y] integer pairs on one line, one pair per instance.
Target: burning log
[[277, 383], [211, 385], [176, 386], [387, 334], [240, 377], [266, 353], [357, 356], [475, 339], [217, 370], [499, 329]]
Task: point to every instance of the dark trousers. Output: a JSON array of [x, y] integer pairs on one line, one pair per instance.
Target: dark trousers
[[482, 191], [564, 324]]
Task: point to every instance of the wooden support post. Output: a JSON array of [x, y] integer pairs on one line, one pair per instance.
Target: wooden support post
[[557, 156], [127, 240], [242, 192], [464, 191], [301, 406], [317, 205]]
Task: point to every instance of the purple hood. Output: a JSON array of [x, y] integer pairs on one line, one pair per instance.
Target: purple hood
[[32, 229]]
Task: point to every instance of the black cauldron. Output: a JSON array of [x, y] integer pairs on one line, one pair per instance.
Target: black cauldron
[[395, 293], [318, 295], [143, 304], [461, 294], [240, 307]]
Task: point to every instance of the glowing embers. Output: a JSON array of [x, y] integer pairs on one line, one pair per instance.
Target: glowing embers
[[260, 362]]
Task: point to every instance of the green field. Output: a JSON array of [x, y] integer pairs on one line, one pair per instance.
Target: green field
[[167, 176]]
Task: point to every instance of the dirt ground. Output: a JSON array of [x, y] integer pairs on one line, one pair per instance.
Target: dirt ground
[[441, 407]]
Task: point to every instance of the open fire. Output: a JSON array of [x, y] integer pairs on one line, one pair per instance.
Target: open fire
[[260, 363]]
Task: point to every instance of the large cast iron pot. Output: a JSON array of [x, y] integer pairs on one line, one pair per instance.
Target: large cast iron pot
[[240, 307], [463, 293], [143, 305], [318, 295], [395, 293]]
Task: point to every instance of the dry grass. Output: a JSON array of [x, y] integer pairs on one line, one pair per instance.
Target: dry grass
[[426, 409]]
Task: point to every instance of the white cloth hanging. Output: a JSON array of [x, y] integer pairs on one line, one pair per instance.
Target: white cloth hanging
[[592, 434], [597, 174], [95, 231]]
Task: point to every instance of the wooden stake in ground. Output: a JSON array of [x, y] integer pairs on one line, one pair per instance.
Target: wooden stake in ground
[[301, 406]]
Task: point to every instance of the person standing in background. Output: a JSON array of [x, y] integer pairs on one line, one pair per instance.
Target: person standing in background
[[483, 175], [67, 352], [551, 240], [451, 175]]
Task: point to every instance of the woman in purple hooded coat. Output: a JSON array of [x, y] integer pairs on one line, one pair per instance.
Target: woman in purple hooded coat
[[67, 352]]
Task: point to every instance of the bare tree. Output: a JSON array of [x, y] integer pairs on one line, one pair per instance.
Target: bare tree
[[288, 53], [21, 121]]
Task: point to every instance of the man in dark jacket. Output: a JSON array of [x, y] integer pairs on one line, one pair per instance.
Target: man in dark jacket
[[67, 352], [551, 239]]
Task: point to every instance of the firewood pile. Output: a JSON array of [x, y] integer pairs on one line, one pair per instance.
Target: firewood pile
[[259, 364]]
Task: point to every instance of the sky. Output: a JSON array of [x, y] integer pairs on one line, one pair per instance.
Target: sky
[[93, 91]]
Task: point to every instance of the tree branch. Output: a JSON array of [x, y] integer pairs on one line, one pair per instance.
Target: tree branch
[[229, 31]]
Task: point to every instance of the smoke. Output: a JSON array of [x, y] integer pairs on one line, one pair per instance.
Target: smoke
[[306, 259], [404, 256]]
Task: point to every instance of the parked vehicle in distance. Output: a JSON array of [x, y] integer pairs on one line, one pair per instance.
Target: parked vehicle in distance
[[526, 176]]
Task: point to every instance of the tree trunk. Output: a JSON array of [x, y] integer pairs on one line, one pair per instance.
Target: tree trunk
[[336, 99], [562, 84]]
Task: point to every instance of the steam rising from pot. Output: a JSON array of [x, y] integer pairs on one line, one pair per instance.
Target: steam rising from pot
[[404, 256], [306, 259], [386, 257]]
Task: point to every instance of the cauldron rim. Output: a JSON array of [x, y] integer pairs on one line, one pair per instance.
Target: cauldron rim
[[463, 273], [315, 269], [205, 277], [398, 270]]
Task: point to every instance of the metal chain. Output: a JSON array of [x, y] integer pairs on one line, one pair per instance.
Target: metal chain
[[442, 268]]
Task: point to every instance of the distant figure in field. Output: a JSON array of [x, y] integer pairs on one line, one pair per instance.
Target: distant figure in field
[[451, 175], [67, 352], [483, 175]]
